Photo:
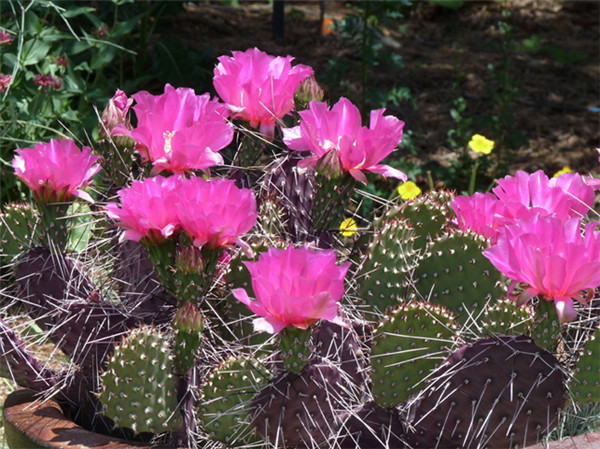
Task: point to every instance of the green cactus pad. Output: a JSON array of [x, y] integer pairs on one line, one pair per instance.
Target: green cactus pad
[[408, 344], [428, 215], [505, 317], [382, 276], [138, 390], [332, 198], [454, 273], [17, 230], [585, 384], [547, 328], [226, 400]]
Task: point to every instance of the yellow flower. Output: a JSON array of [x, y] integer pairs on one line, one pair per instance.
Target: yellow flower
[[480, 144], [565, 169], [408, 191], [348, 227]]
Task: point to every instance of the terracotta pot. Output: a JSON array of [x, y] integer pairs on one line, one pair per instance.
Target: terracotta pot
[[30, 424]]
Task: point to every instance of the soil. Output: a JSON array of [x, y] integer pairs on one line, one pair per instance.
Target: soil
[[552, 120]]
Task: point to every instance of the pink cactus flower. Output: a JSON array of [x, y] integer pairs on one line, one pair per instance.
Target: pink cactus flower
[[48, 80], [566, 196], [5, 38], [4, 82], [179, 131], [340, 130], [258, 87], [482, 213], [550, 257], [147, 210], [294, 287], [56, 171], [215, 213]]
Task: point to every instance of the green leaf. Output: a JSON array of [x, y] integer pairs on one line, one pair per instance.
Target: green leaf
[[74, 12], [34, 51]]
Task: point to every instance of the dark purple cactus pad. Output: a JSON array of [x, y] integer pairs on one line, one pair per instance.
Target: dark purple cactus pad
[[18, 364], [502, 392], [301, 410], [346, 348], [373, 427], [293, 189], [68, 306]]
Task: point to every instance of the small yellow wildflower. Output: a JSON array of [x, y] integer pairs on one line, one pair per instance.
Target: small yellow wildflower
[[480, 144], [348, 227], [408, 191], [565, 169]]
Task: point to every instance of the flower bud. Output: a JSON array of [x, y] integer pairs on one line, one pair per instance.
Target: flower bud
[[190, 261], [330, 165], [115, 113], [188, 319], [308, 90]]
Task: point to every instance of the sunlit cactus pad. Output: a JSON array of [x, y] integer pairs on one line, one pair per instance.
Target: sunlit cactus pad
[[505, 317], [382, 276], [455, 274], [408, 344], [586, 383], [502, 392], [138, 389], [225, 402]]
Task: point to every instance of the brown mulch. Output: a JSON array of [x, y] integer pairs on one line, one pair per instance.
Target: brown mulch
[[446, 55]]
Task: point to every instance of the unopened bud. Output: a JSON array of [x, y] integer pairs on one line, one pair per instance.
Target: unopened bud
[[190, 261], [115, 113], [308, 90], [188, 319], [330, 165]]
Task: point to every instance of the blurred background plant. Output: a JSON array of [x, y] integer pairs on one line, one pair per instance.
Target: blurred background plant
[[60, 59]]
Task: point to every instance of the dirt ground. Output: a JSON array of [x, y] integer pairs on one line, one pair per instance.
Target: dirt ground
[[446, 55]]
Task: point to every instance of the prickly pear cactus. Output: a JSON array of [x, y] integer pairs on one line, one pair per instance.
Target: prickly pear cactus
[[390, 258], [17, 231], [138, 390], [225, 403], [502, 392], [454, 273], [585, 385], [301, 410], [546, 328], [504, 317], [408, 344]]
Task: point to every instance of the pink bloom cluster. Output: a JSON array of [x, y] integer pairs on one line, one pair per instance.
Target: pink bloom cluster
[[534, 226], [179, 131], [339, 130], [258, 87], [522, 196], [48, 80], [294, 287], [213, 213], [56, 171], [5, 38], [4, 82]]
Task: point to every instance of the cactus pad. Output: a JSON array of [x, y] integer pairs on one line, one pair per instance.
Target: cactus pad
[[409, 343], [502, 392], [586, 383], [374, 427], [382, 276], [505, 317], [226, 396], [547, 328], [455, 274], [301, 410], [138, 390]]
